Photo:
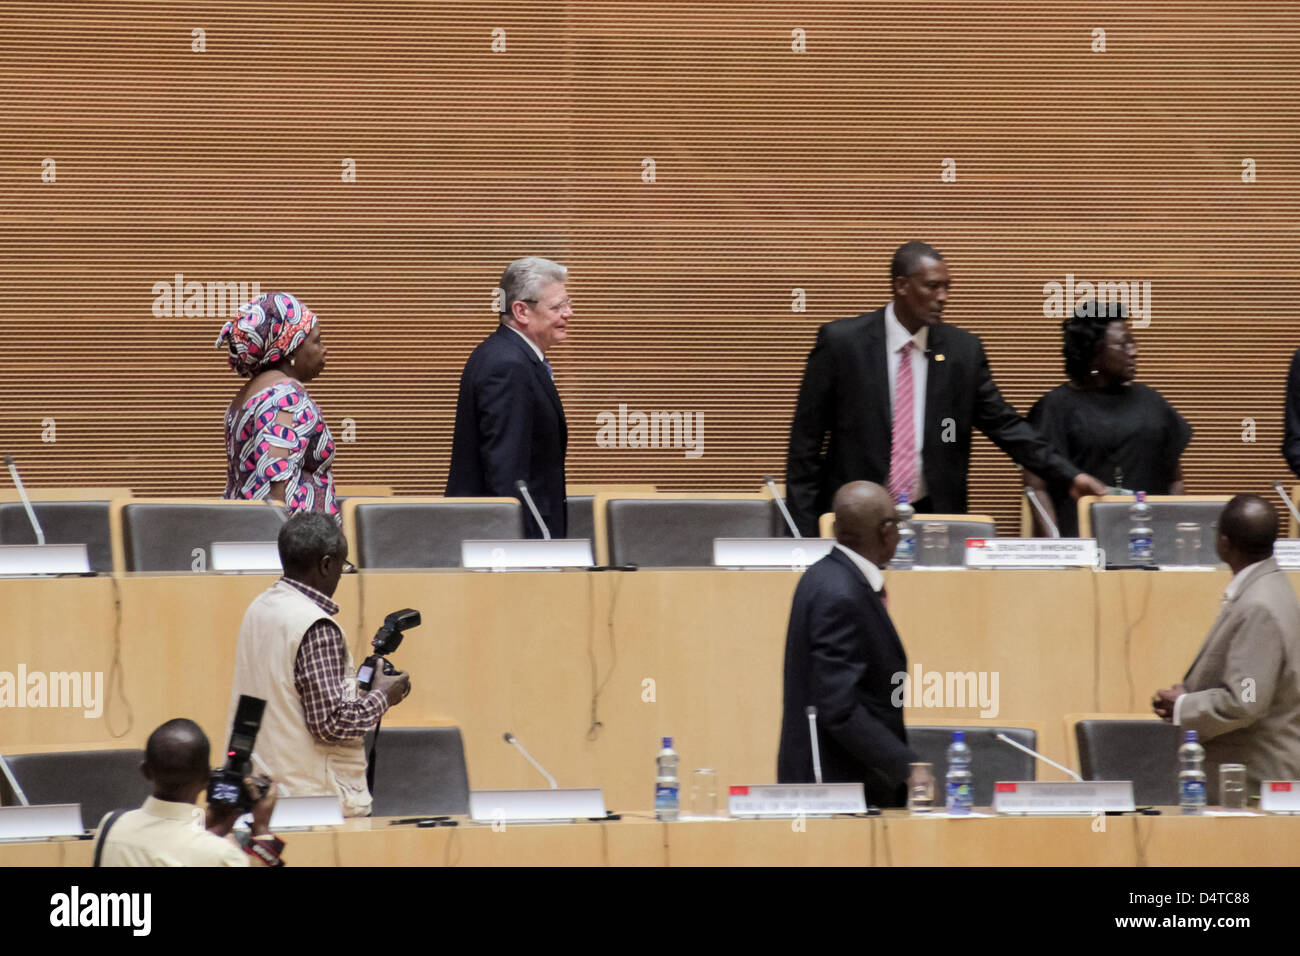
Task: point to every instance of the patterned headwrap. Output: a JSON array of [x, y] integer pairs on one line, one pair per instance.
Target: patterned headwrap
[[267, 330]]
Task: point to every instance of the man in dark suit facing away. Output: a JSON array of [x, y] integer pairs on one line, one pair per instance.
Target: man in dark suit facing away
[[509, 421], [841, 655], [898, 393]]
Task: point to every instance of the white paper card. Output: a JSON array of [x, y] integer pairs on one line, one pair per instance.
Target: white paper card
[[1057, 797], [1286, 551], [245, 556], [786, 553], [41, 821], [794, 799], [1031, 552], [535, 806], [509, 555], [24, 559], [1279, 796]]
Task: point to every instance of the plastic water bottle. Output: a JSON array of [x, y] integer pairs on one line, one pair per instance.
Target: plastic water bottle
[[1191, 774], [905, 555], [960, 796], [667, 799], [1141, 549]]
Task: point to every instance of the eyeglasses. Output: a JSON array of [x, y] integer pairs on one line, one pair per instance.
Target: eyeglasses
[[567, 303], [348, 566]]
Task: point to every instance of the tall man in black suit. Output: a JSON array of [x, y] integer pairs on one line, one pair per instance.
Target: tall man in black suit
[[898, 392], [841, 656], [509, 421]]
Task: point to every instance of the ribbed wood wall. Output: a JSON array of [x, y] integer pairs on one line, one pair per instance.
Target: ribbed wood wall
[[775, 170]]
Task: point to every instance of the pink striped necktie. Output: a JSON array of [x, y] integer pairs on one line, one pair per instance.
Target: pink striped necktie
[[902, 452]]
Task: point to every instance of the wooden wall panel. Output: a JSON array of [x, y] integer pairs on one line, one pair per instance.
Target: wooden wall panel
[[774, 170]]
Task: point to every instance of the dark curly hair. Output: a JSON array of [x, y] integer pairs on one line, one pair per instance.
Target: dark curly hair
[[1083, 332]]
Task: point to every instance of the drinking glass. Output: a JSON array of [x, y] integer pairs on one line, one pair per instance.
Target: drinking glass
[[704, 793], [934, 543], [1232, 786], [1187, 543], [920, 788]]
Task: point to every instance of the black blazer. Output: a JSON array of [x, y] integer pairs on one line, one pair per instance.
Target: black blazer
[[510, 426], [841, 654], [1291, 436], [845, 393]]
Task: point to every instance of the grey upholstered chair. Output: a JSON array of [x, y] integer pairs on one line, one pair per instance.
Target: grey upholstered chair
[[99, 780], [678, 532], [1144, 751], [991, 759], [420, 771], [1108, 522], [425, 533], [64, 522], [162, 535]]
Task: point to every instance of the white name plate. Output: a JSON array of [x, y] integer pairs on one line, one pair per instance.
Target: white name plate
[[524, 553], [299, 813], [40, 822], [1286, 551], [25, 559], [535, 806], [1279, 796], [245, 556], [794, 799], [1039, 796], [786, 553], [1031, 553]]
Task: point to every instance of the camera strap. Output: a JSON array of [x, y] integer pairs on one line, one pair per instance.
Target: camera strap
[[103, 835], [370, 759]]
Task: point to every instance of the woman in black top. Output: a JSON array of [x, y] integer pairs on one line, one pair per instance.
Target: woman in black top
[[1109, 425]]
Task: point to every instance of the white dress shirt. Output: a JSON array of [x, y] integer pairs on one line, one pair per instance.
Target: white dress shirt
[[895, 338], [869, 570], [1229, 593]]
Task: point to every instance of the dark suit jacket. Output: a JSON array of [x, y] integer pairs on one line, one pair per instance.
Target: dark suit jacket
[[841, 653], [1291, 436], [845, 393], [510, 426]]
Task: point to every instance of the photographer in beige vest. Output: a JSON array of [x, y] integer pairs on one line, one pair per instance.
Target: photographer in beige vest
[[293, 655]]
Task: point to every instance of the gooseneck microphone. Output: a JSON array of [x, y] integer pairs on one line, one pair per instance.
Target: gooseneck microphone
[[1034, 753], [1290, 505], [1052, 530], [9, 774], [27, 504], [510, 739], [537, 515], [785, 512], [812, 736]]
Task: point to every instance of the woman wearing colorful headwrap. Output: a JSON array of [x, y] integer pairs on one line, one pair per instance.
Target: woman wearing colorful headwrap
[[277, 443]]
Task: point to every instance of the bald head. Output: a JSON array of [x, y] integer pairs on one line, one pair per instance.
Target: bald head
[[176, 757], [864, 521], [1248, 528]]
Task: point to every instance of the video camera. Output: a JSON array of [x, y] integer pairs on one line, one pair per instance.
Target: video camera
[[386, 640], [226, 785]]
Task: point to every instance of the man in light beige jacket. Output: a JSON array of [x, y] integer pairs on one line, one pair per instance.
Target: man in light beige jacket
[[1242, 693]]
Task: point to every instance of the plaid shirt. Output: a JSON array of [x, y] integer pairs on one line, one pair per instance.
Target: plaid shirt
[[319, 675]]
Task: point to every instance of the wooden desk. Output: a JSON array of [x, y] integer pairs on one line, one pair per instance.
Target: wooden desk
[[590, 669], [894, 839]]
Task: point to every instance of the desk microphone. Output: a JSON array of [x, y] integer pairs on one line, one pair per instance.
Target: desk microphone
[[22, 493], [9, 774], [812, 735], [1053, 530], [510, 739], [1034, 753], [785, 513], [1290, 505], [537, 516]]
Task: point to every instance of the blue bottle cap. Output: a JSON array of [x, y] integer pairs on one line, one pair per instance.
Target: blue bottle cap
[[1190, 737], [668, 743], [902, 498], [959, 736]]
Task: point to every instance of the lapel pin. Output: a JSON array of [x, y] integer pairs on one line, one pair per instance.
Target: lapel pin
[[939, 357]]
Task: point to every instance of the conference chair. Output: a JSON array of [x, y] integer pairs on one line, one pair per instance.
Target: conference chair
[[99, 780], [66, 516], [420, 771], [581, 507], [676, 529], [176, 534], [425, 532], [1134, 747], [991, 759], [1107, 519], [957, 528]]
